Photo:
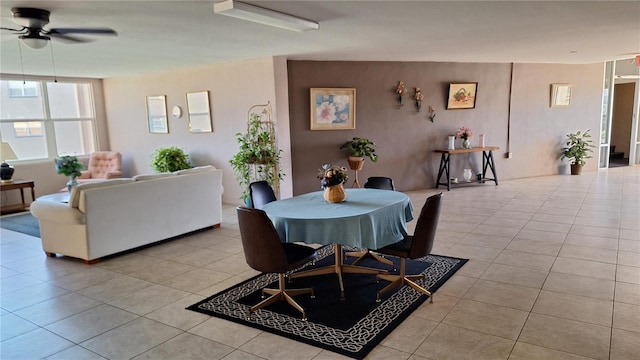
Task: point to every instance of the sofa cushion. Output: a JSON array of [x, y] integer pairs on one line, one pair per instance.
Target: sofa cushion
[[143, 177], [74, 197], [195, 170]]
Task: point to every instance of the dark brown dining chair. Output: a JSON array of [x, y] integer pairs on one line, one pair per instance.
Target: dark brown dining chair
[[413, 247], [264, 252], [261, 193], [379, 182]]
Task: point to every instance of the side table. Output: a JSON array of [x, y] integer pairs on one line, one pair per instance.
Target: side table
[[17, 185], [487, 163]]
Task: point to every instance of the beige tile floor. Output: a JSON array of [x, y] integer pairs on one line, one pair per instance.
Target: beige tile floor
[[554, 274]]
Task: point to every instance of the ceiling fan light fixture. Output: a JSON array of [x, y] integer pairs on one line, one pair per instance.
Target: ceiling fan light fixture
[[263, 16], [35, 42]]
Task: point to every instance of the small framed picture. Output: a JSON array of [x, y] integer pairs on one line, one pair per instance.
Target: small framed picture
[[333, 108], [462, 95], [560, 95]]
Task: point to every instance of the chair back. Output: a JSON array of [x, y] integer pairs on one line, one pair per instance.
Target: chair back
[[261, 193], [379, 182], [425, 231], [102, 162], [260, 241]]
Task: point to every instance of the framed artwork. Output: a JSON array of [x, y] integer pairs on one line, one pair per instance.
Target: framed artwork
[[560, 95], [199, 112], [157, 114], [462, 95], [333, 108]]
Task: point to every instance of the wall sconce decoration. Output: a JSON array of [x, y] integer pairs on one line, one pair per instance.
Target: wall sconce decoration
[[418, 97], [401, 91], [432, 113]]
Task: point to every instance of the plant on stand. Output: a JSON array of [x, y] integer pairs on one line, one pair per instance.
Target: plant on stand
[[258, 158], [579, 146], [358, 149], [170, 159], [69, 165]]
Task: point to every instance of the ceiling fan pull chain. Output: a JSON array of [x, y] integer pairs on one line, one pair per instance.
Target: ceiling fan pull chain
[[53, 63], [24, 82]]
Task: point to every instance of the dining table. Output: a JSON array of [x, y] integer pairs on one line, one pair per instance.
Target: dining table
[[368, 218]]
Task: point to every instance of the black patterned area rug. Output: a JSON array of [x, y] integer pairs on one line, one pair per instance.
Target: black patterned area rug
[[352, 327]]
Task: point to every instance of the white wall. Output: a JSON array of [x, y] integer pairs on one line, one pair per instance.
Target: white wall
[[233, 89]]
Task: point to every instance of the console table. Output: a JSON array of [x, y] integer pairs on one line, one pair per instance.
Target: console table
[[17, 185], [487, 162]]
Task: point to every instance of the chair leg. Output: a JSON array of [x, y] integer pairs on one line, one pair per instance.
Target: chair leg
[[402, 279], [282, 294]]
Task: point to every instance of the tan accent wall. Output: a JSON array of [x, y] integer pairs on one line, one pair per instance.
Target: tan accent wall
[[406, 139]]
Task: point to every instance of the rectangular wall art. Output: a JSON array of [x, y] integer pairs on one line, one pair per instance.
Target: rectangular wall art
[[333, 108], [462, 95], [560, 95]]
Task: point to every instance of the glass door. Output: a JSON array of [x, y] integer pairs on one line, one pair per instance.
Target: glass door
[[607, 111]]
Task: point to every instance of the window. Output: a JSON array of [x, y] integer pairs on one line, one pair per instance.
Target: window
[[27, 128], [23, 89], [42, 119]]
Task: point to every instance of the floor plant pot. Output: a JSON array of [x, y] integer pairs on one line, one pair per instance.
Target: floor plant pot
[[576, 169]]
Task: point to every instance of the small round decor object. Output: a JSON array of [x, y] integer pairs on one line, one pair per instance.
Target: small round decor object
[[335, 194], [176, 111], [466, 144]]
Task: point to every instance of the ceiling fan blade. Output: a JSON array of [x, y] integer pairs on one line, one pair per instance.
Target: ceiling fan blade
[[67, 38], [15, 30], [96, 31]]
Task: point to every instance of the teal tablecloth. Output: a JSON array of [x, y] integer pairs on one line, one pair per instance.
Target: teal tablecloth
[[369, 218]]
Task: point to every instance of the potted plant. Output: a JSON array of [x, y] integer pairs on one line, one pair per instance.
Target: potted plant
[[358, 149], [170, 159], [579, 146], [257, 158], [69, 165]]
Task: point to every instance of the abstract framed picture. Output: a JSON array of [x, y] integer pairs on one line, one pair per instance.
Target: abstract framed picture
[[560, 95], [462, 95], [333, 108]]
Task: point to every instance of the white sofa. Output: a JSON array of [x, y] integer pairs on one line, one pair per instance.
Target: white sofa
[[104, 218]]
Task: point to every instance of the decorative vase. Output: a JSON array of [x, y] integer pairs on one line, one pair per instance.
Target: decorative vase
[[467, 175], [72, 182], [481, 140], [335, 194], [466, 144], [452, 142]]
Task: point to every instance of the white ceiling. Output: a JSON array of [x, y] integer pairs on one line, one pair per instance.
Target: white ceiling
[[163, 35]]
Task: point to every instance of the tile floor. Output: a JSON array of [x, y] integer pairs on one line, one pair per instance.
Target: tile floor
[[554, 274]]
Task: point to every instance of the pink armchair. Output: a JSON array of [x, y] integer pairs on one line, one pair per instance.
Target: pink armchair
[[103, 165]]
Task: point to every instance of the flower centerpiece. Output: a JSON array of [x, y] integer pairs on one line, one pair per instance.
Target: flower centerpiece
[[464, 133], [69, 165], [331, 179]]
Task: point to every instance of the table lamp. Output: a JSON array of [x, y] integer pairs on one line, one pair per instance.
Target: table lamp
[[6, 170]]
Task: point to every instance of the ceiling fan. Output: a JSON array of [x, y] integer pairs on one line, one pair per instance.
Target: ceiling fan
[[33, 34]]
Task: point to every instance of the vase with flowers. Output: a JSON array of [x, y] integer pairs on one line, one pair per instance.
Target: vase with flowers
[[332, 177], [465, 134], [70, 166]]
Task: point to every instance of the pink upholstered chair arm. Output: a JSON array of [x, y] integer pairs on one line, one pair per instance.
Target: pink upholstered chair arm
[[113, 174], [85, 174]]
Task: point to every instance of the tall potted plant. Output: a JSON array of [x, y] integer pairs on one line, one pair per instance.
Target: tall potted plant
[[578, 147], [257, 158]]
